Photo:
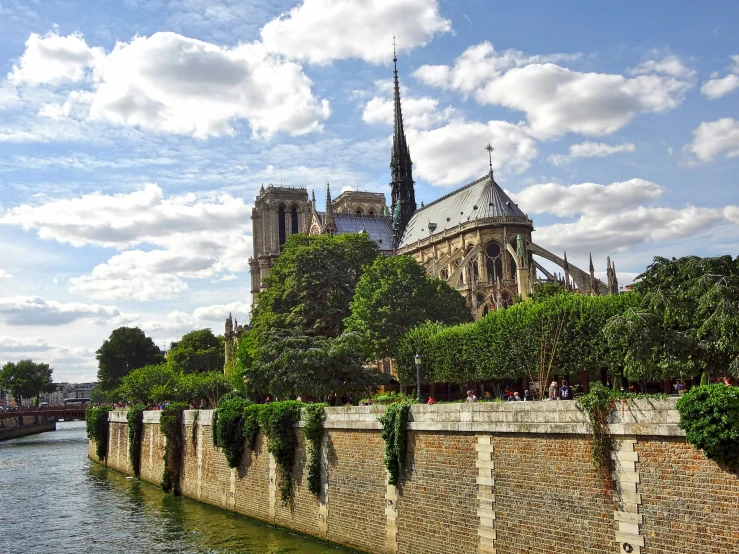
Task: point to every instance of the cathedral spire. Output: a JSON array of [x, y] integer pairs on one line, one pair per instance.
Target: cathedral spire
[[401, 167], [567, 273], [593, 286], [329, 221]]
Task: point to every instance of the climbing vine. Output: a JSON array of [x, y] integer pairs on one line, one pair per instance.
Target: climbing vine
[[598, 404], [395, 434], [251, 425], [96, 420], [135, 419], [229, 429], [709, 415], [313, 418], [170, 424], [277, 420]]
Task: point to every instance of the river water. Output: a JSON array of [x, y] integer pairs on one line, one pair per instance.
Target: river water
[[53, 499]]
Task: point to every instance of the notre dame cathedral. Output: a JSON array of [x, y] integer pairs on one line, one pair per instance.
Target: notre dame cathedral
[[475, 238]]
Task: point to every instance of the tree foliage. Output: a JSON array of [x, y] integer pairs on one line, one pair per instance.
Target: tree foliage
[[312, 284], [198, 352], [394, 295], [149, 383], [126, 349], [292, 363], [558, 334], [26, 379], [687, 321]]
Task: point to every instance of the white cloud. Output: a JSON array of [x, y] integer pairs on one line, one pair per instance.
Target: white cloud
[[669, 65], [454, 153], [53, 58], [590, 150], [219, 312], [5, 275], [33, 310], [197, 236], [612, 218], [174, 84], [586, 198], [716, 87], [715, 137], [420, 113], [13, 345], [556, 100], [319, 31]]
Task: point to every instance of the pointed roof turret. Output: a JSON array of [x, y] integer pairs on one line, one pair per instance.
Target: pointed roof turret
[[567, 273], [329, 221], [593, 285]]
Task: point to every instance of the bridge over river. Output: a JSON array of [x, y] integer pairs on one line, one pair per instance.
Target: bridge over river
[[67, 413]]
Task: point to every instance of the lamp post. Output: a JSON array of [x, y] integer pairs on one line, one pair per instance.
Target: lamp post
[[418, 378]]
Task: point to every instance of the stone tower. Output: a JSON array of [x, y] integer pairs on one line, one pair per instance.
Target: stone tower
[[278, 213], [401, 171]]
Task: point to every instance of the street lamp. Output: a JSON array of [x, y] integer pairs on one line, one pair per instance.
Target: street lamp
[[418, 378]]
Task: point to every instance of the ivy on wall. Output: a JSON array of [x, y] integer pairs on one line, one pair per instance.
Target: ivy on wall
[[277, 421], [228, 429], [395, 434], [709, 415], [135, 417], [598, 404], [170, 424], [313, 418], [251, 425], [96, 420]]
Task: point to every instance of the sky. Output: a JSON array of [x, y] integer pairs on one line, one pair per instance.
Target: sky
[[134, 136]]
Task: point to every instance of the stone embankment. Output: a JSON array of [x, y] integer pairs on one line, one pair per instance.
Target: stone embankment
[[14, 427], [489, 477]]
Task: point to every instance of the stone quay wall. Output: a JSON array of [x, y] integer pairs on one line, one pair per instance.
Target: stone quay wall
[[12, 427], [488, 477]]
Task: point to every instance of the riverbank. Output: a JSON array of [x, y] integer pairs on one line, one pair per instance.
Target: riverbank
[[26, 429], [489, 477]]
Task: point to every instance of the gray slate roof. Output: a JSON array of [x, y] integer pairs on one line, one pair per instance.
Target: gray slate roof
[[477, 200], [378, 227]]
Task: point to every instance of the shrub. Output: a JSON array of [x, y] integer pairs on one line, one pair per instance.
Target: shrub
[[229, 429], [709, 415], [313, 417], [277, 421], [96, 420], [395, 434], [170, 424], [135, 419]]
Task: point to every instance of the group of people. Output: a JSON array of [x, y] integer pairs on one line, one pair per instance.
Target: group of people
[[556, 392]]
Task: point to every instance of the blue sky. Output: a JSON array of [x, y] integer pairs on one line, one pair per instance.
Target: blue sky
[[134, 136]]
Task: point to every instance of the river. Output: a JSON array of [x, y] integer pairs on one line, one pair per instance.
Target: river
[[53, 499]]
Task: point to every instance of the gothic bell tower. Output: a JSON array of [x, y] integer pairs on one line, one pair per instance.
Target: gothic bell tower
[[401, 170]]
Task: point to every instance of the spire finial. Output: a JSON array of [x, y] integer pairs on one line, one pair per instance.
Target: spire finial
[[395, 57], [490, 150], [329, 221]]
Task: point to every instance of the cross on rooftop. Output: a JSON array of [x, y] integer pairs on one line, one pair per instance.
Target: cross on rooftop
[[490, 150]]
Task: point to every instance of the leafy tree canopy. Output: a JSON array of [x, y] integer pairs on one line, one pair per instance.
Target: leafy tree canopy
[[198, 351], [292, 363], [312, 283], [126, 349], [148, 383], [26, 379], [687, 321], [394, 295]]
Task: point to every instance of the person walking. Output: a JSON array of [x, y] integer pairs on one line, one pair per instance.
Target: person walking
[[471, 397], [565, 392], [553, 389]]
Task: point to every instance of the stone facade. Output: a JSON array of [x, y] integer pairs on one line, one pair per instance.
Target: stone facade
[[493, 477]]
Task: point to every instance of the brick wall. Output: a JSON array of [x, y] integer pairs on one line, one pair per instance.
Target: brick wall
[[548, 497], [356, 489], [438, 492], [689, 503], [481, 478]]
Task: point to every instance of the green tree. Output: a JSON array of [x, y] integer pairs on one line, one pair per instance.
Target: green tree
[[292, 363], [197, 351], [687, 321], [394, 295], [26, 379], [312, 283], [209, 386], [126, 349], [149, 383]]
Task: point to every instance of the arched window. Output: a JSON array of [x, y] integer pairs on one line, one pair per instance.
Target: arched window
[[493, 262], [294, 220], [479, 299], [444, 274], [359, 211], [507, 298], [281, 224], [371, 212]]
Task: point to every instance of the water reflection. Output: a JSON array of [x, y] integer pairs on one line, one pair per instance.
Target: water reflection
[[66, 503]]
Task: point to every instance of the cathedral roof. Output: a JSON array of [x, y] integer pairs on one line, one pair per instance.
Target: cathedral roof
[[378, 227], [476, 201]]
